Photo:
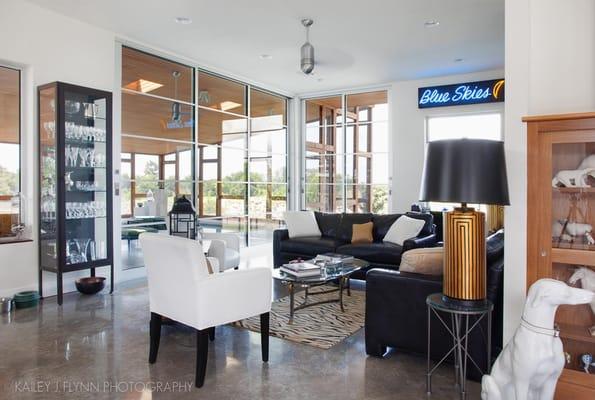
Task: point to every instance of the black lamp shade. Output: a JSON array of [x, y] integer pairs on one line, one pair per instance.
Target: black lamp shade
[[183, 206], [465, 171]]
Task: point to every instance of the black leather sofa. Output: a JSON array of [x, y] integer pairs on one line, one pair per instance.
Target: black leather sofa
[[396, 313], [336, 232]]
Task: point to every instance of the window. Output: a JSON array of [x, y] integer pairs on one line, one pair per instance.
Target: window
[[346, 160], [471, 126], [10, 127], [220, 142], [467, 126]]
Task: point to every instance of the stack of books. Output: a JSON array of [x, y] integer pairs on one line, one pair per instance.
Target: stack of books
[[301, 269]]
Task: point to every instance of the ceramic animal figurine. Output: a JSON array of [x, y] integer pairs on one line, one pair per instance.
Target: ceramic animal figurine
[[574, 178], [573, 230], [588, 162], [529, 366]]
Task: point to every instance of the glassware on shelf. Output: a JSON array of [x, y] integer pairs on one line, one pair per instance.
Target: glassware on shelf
[[71, 107], [68, 180], [91, 110], [50, 128], [83, 133], [90, 209]]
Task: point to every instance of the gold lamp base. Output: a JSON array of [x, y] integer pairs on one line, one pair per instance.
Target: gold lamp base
[[464, 256]]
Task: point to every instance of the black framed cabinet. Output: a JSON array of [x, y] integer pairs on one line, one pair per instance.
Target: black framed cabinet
[[75, 184]]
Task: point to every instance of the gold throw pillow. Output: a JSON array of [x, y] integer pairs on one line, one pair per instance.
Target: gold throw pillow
[[362, 233]]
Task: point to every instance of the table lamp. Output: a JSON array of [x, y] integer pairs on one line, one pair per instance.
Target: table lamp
[[465, 171]]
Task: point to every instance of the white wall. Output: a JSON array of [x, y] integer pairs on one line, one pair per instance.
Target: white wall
[[49, 47], [550, 69], [408, 130]]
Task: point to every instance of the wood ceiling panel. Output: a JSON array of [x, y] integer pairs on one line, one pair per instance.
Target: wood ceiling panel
[[147, 146], [137, 65]]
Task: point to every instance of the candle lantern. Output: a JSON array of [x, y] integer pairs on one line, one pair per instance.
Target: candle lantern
[[182, 218]]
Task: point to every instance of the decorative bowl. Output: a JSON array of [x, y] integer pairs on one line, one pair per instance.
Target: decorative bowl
[[90, 285], [26, 299]]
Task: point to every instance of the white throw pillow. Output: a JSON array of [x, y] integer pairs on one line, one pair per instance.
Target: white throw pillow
[[301, 224], [402, 229]]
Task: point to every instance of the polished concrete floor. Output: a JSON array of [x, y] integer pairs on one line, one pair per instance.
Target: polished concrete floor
[[96, 347]]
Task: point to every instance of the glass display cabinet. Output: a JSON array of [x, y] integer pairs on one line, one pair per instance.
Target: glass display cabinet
[[560, 236], [75, 186]]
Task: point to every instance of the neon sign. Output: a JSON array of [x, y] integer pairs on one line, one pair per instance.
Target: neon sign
[[479, 92]]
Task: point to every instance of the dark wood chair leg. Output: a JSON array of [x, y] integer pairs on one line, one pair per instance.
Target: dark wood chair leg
[[212, 334], [155, 336], [202, 351], [264, 336]]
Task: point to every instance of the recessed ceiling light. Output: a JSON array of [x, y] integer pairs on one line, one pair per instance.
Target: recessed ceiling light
[[431, 23], [183, 20], [458, 60], [265, 56]]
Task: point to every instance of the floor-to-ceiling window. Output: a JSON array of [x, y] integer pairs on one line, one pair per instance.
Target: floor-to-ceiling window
[[10, 137], [232, 162], [346, 153]]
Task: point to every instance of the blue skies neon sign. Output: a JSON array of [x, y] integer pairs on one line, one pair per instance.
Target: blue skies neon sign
[[479, 92]]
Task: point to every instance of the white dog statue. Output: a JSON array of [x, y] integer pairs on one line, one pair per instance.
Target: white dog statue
[[531, 363], [587, 278], [573, 178], [573, 229]]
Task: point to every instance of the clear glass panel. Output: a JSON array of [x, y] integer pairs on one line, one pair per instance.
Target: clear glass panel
[[474, 126], [48, 178], [151, 117], [261, 229], [379, 137], [327, 198], [573, 196], [146, 73], [86, 203], [216, 128], [268, 169], [380, 168], [363, 198], [323, 111], [370, 106], [233, 198], [233, 165], [125, 193], [207, 198], [267, 200], [10, 100], [268, 112], [221, 94], [146, 172], [269, 142], [324, 169], [574, 321], [235, 224]]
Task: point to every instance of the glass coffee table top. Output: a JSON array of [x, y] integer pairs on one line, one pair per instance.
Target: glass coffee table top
[[326, 275]]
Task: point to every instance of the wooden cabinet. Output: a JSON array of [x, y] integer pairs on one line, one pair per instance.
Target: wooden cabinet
[[560, 222]]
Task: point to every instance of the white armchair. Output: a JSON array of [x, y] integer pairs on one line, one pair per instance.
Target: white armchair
[[225, 247], [181, 289]]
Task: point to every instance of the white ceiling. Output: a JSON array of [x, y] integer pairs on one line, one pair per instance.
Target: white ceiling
[[357, 43]]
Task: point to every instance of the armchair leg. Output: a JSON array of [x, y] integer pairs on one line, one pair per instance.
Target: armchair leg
[[202, 351], [264, 336], [212, 334], [154, 336]]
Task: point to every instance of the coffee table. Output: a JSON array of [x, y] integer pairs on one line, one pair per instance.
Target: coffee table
[[342, 274]]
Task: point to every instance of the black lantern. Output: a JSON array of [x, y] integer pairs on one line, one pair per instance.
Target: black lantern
[[182, 218]]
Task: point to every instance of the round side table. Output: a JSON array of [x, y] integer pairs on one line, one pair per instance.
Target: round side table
[[459, 329]]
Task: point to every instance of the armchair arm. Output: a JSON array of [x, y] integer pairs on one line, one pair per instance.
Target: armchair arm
[[278, 236], [229, 239], [235, 295], [418, 242], [217, 251]]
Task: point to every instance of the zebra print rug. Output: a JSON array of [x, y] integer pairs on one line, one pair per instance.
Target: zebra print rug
[[321, 326]]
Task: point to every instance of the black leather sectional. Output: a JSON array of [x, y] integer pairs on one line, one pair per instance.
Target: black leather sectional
[[336, 232], [396, 313]]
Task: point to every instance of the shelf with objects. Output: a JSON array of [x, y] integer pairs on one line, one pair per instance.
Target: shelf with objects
[[560, 237], [75, 193]]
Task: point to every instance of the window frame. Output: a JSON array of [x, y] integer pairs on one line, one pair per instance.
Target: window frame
[[19, 143]]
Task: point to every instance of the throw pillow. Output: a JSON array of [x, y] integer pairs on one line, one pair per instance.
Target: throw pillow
[[402, 229], [362, 233], [428, 261], [301, 224]]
